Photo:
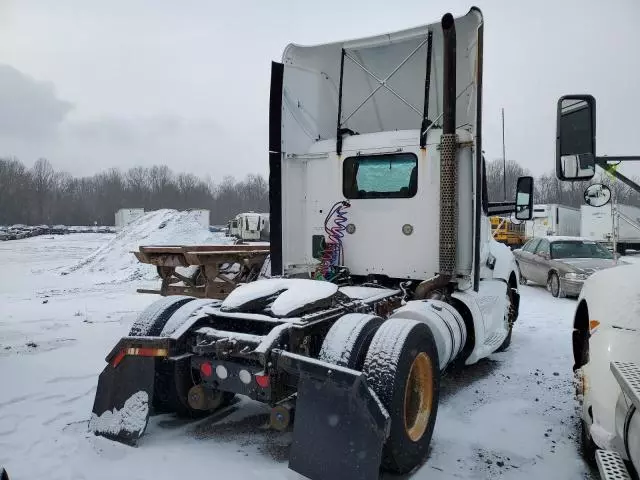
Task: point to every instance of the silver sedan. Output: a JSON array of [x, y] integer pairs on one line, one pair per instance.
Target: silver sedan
[[562, 263]]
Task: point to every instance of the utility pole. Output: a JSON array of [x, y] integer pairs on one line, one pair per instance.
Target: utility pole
[[504, 162]]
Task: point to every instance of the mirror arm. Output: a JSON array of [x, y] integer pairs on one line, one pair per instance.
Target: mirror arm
[[602, 163], [632, 158], [501, 209], [502, 204]]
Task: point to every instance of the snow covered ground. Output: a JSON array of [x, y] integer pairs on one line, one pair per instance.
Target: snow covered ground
[[511, 416]]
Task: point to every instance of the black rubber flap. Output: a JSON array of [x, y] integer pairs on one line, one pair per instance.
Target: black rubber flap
[[340, 427], [123, 400]]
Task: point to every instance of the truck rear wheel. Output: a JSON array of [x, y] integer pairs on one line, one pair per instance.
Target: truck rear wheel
[[402, 368], [152, 319], [173, 383], [173, 379], [348, 339]]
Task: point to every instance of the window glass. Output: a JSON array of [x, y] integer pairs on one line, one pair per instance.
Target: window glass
[[579, 249], [531, 245], [380, 176], [543, 247]]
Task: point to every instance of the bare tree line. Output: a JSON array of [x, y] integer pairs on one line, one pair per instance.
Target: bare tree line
[[548, 189], [42, 195]]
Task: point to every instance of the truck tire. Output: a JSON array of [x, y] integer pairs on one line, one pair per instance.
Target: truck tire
[[587, 446], [153, 319], [509, 319], [173, 379], [402, 368], [348, 339]]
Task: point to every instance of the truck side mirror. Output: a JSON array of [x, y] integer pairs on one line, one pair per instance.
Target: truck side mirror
[[576, 138], [524, 198]]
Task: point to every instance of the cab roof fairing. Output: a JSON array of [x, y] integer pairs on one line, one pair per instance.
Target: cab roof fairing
[[312, 80]]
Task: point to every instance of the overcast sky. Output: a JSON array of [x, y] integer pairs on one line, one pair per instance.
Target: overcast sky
[[92, 84]]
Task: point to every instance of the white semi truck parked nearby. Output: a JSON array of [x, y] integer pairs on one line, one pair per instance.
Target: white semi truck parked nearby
[[553, 219], [384, 271], [606, 326], [596, 225]]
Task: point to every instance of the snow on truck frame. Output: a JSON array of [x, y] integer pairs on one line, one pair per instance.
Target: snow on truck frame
[[384, 271]]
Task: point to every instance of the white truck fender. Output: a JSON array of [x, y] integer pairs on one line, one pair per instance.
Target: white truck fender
[[601, 390], [505, 263]]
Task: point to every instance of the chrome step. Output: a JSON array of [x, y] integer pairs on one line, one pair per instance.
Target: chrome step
[[611, 466], [628, 376]]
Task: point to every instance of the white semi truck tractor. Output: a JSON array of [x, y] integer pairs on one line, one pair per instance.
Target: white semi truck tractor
[[384, 271], [606, 326]]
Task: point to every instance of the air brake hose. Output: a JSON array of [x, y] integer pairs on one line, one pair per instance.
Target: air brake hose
[[331, 256]]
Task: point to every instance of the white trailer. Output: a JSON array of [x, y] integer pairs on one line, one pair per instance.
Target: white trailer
[[596, 225], [553, 219], [250, 226], [265, 227], [124, 216]]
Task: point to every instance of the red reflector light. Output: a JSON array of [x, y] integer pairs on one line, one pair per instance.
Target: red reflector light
[[118, 358], [262, 381], [206, 369]]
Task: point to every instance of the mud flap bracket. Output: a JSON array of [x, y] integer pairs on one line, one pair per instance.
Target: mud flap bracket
[[340, 426]]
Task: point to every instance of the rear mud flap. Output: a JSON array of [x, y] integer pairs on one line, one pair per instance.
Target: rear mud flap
[[340, 426], [123, 400]]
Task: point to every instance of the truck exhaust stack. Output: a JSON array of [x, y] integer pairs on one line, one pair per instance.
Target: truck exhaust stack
[[448, 167], [448, 146]]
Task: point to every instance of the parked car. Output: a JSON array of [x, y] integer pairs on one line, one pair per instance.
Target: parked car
[[562, 263], [59, 230]]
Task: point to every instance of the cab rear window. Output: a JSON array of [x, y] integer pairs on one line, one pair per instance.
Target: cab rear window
[[380, 176]]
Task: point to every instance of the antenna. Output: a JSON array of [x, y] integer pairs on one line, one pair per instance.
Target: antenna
[[504, 162]]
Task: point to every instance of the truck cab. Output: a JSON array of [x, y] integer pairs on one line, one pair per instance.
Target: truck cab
[[384, 134], [384, 271], [606, 325]]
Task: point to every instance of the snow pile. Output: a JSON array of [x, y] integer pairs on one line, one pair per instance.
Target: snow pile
[[160, 227], [132, 418]]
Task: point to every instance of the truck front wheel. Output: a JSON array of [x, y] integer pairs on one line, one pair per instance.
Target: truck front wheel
[[509, 318], [587, 445], [402, 368]]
